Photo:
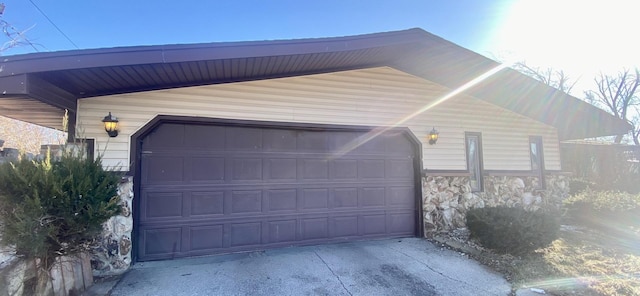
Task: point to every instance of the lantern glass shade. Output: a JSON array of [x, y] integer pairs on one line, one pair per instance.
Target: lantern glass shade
[[433, 136], [111, 125]]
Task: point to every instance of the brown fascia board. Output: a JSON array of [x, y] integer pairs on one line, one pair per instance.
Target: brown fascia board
[[30, 86], [159, 54], [13, 85]]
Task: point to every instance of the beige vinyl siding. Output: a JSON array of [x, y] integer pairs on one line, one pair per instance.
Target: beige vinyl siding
[[371, 97]]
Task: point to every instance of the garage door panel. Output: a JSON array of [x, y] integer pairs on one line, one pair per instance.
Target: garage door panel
[[206, 237], [282, 199], [315, 228], [401, 196], [207, 169], [246, 169], [315, 198], [345, 142], [312, 141], [399, 168], [374, 224], [344, 169], [372, 197], [281, 169], [166, 136], [279, 140], [163, 169], [162, 205], [345, 226], [207, 203], [371, 168], [376, 145], [402, 222], [243, 139], [282, 231], [245, 234], [315, 169], [206, 138], [345, 198], [161, 241], [398, 144], [246, 201], [254, 188]]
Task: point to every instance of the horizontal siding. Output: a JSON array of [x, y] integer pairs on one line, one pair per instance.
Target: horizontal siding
[[371, 97]]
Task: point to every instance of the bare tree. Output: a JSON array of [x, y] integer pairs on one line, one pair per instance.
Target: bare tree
[[24, 136], [549, 76], [619, 94], [16, 37]]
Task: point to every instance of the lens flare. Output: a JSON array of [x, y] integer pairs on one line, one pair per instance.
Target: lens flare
[[377, 131]]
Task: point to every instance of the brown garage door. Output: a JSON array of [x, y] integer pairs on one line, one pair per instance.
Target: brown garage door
[[209, 189]]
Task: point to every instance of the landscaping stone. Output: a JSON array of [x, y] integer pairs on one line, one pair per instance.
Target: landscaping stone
[[446, 199]]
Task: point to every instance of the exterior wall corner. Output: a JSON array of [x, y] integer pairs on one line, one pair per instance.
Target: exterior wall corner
[[112, 254]]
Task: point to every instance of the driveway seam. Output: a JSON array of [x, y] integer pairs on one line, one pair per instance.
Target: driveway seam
[[334, 274], [438, 272]]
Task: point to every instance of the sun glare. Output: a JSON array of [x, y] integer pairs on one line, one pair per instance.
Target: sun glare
[[579, 37], [454, 92]]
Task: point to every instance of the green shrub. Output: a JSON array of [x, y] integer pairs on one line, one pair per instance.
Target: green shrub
[[513, 230], [594, 208], [55, 208]]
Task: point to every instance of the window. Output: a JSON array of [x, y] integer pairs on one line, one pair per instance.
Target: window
[[537, 159], [474, 160]]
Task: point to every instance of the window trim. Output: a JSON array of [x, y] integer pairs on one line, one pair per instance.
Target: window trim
[[480, 163], [540, 172]]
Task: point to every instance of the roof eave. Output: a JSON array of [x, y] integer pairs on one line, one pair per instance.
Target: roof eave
[[414, 51]]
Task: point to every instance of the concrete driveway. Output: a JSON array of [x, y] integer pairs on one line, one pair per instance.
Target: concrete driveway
[[410, 266]]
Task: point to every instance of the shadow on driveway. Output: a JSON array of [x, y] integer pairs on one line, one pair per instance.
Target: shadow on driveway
[[409, 266]]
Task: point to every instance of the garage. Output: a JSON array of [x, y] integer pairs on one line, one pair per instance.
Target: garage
[[223, 187]]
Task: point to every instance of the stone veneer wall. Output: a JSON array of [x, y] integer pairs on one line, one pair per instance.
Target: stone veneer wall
[[112, 254], [446, 199]]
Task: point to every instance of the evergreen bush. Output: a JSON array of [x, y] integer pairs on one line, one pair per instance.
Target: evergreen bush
[[513, 230], [52, 208]]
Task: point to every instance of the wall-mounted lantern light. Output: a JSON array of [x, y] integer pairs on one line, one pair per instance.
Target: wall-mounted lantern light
[[111, 125], [433, 136]]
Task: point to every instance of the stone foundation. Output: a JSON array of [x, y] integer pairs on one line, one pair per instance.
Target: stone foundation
[[112, 254], [446, 199]]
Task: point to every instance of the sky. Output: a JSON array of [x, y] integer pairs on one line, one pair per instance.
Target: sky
[[580, 37]]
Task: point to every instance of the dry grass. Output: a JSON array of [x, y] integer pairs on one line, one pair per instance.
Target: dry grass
[[584, 262]]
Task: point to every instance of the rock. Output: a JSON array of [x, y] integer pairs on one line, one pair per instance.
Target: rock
[[120, 264], [124, 210], [447, 215], [123, 225], [112, 247], [97, 264], [429, 207], [125, 245]]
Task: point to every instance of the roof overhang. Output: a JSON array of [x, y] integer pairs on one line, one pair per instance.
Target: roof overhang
[[60, 78]]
